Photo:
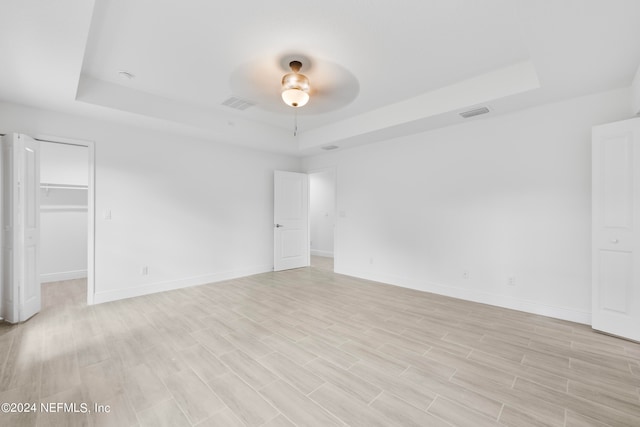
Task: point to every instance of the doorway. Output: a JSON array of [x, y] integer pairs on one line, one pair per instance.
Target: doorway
[[322, 217], [66, 222]]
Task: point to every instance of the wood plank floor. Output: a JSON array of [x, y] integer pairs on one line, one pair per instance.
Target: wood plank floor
[[308, 347]]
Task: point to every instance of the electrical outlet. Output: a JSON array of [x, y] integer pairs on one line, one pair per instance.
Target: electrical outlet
[[465, 274], [371, 260], [512, 281], [144, 270]]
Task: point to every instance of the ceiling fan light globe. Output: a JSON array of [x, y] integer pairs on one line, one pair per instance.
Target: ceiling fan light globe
[[295, 81], [295, 97]]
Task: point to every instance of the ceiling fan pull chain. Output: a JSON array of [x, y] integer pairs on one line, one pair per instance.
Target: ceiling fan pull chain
[[295, 123]]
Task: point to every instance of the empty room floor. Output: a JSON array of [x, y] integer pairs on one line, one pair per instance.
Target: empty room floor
[[322, 263], [308, 347]]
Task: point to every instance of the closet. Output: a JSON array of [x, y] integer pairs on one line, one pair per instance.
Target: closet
[[63, 211]]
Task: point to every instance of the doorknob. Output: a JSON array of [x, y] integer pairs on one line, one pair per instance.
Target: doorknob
[[279, 225], [614, 241]]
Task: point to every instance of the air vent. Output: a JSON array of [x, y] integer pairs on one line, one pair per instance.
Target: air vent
[[475, 112], [237, 103], [330, 147]]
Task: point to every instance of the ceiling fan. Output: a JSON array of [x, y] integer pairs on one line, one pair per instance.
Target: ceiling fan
[[294, 81]]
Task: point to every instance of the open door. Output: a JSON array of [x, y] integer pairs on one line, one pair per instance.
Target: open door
[[616, 229], [21, 234], [291, 221]]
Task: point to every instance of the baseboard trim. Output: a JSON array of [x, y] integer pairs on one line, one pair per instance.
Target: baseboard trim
[[136, 291], [64, 275], [503, 301], [326, 254]]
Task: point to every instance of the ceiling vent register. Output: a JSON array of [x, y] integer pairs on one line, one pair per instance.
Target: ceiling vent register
[[237, 103], [475, 112]]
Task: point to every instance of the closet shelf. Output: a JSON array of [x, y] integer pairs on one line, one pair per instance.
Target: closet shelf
[[50, 186], [63, 207]]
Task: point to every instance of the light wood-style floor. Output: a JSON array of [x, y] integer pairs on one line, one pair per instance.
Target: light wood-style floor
[[322, 263], [308, 347]]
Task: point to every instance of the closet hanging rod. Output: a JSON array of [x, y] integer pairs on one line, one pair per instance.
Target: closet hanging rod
[[48, 186]]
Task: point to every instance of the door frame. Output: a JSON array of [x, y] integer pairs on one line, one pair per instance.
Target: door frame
[[91, 223], [334, 170]]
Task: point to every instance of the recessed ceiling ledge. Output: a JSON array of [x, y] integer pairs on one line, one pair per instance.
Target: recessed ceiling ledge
[[214, 122], [508, 81]]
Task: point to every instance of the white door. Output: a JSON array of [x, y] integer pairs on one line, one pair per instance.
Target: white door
[[21, 231], [291, 221], [616, 228], [9, 301]]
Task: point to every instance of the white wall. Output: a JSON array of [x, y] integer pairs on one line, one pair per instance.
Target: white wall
[[635, 93], [63, 213], [508, 196], [64, 163], [193, 211], [322, 210]]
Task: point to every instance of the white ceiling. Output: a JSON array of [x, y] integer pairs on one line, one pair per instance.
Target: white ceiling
[[378, 69]]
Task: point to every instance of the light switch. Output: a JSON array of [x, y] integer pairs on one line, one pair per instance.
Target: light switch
[[107, 214]]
